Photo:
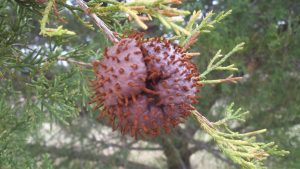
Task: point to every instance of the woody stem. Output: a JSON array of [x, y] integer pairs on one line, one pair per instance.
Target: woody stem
[[98, 21]]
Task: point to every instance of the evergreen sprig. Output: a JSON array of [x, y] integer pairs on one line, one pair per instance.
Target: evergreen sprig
[[205, 26], [59, 31], [143, 10], [231, 114], [243, 149], [217, 61]]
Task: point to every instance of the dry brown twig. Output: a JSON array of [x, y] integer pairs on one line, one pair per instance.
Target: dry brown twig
[[193, 39], [70, 60], [98, 21]]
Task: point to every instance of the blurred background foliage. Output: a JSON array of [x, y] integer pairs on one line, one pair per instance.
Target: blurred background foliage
[[46, 121]]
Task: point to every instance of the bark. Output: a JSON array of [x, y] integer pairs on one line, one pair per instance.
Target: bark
[[176, 151]]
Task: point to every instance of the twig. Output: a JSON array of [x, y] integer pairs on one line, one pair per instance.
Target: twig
[[203, 120], [70, 60], [217, 61], [191, 40], [190, 55], [228, 79], [98, 21]]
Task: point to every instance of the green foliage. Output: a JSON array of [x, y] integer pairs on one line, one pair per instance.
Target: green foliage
[[31, 93], [243, 148], [47, 162], [157, 8], [52, 31], [56, 97], [205, 26], [13, 137], [217, 61]]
